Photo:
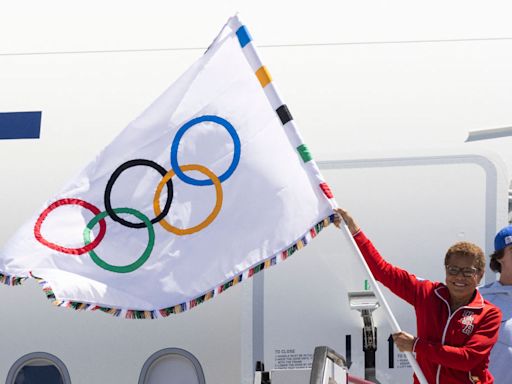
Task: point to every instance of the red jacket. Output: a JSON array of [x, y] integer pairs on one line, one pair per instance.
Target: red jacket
[[451, 347]]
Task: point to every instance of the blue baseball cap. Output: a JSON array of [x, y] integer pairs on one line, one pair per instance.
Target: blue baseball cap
[[503, 239]]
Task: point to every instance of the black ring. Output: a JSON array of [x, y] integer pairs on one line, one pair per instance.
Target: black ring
[[115, 175]]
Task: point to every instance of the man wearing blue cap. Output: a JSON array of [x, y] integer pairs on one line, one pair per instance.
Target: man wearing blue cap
[[500, 294]]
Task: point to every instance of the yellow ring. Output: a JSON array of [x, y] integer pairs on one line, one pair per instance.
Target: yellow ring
[[211, 216]]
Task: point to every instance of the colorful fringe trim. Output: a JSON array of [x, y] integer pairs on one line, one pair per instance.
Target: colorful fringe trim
[[165, 312], [11, 280]]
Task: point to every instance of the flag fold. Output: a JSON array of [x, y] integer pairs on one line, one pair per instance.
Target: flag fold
[[209, 185]]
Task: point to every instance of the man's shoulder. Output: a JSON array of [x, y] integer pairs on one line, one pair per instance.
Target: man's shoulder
[[495, 288], [488, 286]]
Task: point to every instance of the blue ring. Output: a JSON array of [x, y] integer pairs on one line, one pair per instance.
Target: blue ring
[[174, 149]]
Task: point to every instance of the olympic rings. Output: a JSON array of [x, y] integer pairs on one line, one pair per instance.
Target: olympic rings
[[125, 268], [70, 251], [174, 149], [218, 204], [160, 214], [113, 178]]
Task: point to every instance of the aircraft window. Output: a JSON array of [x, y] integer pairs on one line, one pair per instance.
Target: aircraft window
[[172, 366], [38, 367]]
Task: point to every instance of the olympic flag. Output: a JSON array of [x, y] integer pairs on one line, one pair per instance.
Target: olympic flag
[[209, 185]]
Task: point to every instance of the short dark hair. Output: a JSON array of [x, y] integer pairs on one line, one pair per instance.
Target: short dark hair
[[467, 249], [494, 263]]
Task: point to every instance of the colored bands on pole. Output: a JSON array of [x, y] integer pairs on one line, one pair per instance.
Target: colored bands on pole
[[263, 75], [304, 153], [284, 114], [243, 35]]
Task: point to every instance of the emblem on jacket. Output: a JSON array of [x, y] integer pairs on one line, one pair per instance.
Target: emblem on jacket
[[467, 321]]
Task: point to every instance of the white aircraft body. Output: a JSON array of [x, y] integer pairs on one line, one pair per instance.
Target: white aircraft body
[[414, 191]]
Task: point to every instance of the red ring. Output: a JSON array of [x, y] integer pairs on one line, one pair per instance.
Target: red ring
[[70, 251]]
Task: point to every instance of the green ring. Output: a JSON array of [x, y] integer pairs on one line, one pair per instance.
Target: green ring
[[125, 268]]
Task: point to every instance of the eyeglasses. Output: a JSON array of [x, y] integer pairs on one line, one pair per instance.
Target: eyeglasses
[[466, 272]]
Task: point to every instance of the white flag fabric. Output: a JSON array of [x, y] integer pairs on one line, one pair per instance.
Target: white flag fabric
[[206, 187]]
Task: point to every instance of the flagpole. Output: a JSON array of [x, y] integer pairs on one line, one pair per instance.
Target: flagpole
[[292, 132], [395, 327]]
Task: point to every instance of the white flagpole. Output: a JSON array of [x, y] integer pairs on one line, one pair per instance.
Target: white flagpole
[[269, 88], [395, 327]]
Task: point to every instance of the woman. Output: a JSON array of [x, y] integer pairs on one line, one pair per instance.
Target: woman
[[500, 294], [456, 326]]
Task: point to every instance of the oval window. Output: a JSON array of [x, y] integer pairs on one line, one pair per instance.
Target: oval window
[[172, 366], [36, 368]]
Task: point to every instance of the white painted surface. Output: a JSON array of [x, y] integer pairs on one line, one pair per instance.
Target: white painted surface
[[345, 98], [98, 348], [413, 209]]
